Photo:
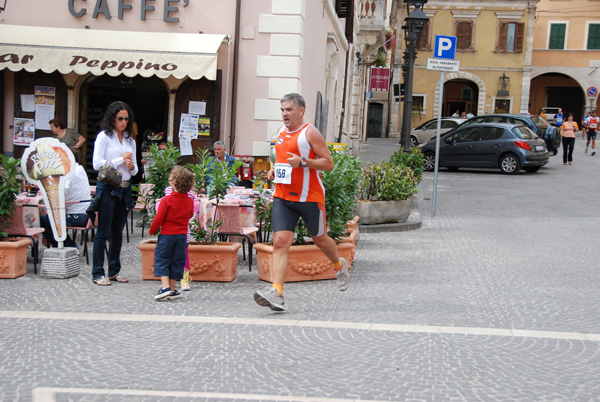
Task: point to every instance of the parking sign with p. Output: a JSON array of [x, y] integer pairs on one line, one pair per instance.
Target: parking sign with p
[[445, 47]]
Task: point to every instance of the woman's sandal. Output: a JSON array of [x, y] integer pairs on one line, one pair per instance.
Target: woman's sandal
[[102, 281], [119, 278]]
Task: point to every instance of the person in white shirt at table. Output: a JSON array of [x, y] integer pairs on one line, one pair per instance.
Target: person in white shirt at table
[[77, 199]]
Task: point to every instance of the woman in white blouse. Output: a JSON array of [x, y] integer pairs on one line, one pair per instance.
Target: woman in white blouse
[[114, 145]]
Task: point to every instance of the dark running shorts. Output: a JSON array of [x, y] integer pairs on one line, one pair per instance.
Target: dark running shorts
[[285, 214], [591, 134]]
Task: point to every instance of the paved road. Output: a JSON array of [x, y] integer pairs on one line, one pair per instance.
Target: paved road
[[493, 299]]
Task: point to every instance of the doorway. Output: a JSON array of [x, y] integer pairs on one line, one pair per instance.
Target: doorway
[[375, 120], [460, 95], [147, 97]]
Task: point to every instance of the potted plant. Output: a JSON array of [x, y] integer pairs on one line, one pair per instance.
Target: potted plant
[[306, 261], [209, 260], [386, 188], [13, 251]]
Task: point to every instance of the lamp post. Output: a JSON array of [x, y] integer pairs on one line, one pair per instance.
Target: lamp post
[[3, 6], [414, 24]]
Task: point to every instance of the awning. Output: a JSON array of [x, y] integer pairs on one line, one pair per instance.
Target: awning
[[109, 52]]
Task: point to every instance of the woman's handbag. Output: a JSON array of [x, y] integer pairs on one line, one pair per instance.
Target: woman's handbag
[[109, 175]]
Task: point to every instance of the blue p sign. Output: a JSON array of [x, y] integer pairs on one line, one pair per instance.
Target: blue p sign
[[445, 47]]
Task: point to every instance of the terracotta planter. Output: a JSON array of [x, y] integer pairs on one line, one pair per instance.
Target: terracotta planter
[[375, 212], [307, 262], [353, 224], [208, 263], [13, 257]]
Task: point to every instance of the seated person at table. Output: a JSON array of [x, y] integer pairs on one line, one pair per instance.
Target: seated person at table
[[77, 189], [221, 156]]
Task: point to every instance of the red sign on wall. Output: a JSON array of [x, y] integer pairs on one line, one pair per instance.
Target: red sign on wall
[[380, 79]]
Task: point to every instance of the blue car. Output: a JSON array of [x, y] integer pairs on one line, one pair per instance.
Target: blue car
[[550, 134], [509, 147]]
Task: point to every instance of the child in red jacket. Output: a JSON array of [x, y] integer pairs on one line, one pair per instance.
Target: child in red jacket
[[172, 218]]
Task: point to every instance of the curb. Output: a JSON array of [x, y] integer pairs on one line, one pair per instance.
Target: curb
[[413, 222]]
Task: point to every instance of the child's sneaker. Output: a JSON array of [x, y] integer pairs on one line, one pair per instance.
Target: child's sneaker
[[185, 282], [162, 293], [175, 294]]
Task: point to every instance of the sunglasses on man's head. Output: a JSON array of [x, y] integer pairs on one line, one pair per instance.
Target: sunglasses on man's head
[[121, 118]]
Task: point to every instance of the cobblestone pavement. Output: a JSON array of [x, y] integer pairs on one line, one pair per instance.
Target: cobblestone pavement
[[493, 299]]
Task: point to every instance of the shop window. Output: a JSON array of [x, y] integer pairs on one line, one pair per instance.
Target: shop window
[[418, 105], [502, 106], [511, 35], [557, 36], [464, 35], [593, 42]]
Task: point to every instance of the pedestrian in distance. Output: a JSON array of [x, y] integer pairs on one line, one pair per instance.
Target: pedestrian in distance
[[456, 114], [301, 153], [559, 118], [583, 129], [172, 218], [67, 136], [591, 125], [567, 131]]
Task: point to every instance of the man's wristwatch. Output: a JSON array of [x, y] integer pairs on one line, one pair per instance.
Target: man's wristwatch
[[303, 164]]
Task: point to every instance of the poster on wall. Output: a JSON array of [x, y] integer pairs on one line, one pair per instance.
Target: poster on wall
[[24, 131], [188, 131], [204, 126], [44, 106], [198, 108]]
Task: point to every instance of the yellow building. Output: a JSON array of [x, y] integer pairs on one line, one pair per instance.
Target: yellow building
[[494, 43], [566, 56]]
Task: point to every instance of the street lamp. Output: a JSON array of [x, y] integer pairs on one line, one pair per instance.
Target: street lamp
[[414, 25]]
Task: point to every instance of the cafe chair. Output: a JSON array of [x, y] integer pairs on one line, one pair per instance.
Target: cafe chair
[[17, 228], [85, 232], [140, 204], [231, 217]]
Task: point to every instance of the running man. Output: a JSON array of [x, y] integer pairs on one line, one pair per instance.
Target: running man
[[301, 153], [591, 125]]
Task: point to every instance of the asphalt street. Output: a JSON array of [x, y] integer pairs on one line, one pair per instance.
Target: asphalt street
[[495, 298]]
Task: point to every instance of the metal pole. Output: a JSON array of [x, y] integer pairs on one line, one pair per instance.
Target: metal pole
[[408, 85], [437, 144]]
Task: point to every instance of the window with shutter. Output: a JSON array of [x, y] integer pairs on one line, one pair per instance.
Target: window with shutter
[[557, 36], [593, 37], [424, 41], [464, 34], [511, 36]]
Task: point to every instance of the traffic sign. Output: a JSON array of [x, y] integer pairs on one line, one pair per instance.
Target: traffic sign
[[443, 65], [592, 92], [445, 47]]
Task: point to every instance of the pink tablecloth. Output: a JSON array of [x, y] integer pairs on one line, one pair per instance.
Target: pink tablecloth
[[31, 212]]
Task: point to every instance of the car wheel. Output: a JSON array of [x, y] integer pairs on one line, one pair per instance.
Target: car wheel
[[413, 141], [532, 169], [510, 164], [429, 161], [452, 168]]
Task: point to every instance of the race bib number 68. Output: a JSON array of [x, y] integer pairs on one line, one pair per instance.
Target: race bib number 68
[[283, 173]]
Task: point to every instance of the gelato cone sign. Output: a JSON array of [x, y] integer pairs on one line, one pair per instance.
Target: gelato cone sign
[[47, 163]]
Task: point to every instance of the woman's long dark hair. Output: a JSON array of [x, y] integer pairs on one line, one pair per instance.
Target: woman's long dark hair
[[108, 121]]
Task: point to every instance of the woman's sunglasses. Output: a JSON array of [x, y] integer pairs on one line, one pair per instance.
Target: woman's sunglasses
[[121, 118]]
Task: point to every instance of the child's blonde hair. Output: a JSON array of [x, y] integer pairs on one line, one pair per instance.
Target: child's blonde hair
[[182, 179]]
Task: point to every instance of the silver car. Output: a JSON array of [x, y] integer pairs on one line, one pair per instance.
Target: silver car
[[428, 130]]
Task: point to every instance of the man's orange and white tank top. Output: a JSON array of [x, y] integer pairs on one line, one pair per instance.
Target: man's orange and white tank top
[[305, 184]]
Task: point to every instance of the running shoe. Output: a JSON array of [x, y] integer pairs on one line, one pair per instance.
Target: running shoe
[[185, 282], [343, 277], [175, 294], [593, 152], [163, 293], [268, 297], [586, 149]]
